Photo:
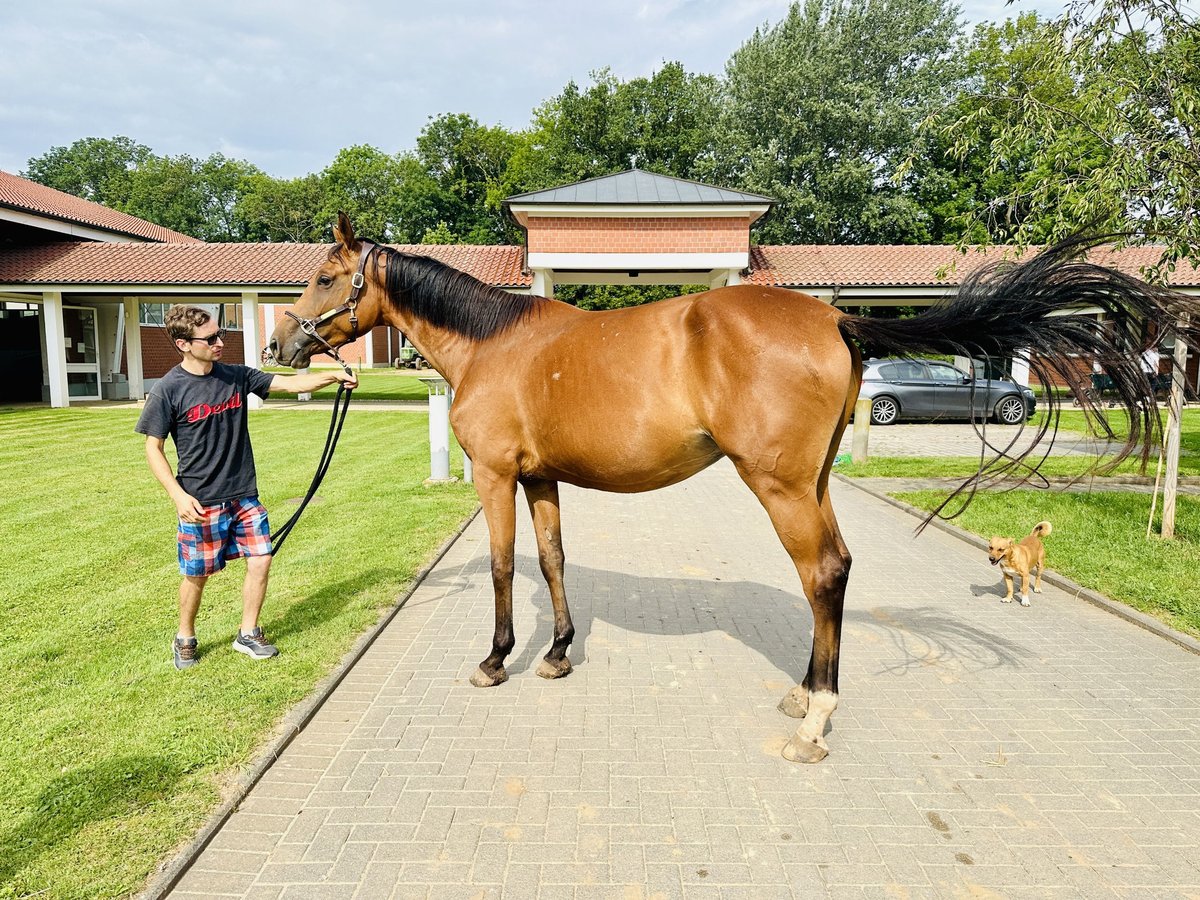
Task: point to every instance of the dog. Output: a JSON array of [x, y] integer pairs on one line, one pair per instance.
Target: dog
[[1020, 559]]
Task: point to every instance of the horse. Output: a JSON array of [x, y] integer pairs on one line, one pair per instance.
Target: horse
[[641, 398]]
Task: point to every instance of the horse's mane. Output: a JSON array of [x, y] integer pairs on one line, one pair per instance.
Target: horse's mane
[[450, 299]]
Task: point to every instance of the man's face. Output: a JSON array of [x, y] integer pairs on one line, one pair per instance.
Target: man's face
[[208, 343]]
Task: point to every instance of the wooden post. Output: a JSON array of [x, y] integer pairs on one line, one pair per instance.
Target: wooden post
[[862, 430], [1174, 426]]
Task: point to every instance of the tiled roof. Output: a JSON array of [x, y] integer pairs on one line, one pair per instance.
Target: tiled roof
[[638, 187], [814, 265], [29, 196], [225, 264]]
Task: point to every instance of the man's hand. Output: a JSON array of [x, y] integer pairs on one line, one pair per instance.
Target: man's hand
[[189, 509], [349, 379]]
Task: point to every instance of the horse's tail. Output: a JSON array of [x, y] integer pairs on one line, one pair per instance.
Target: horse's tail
[[1025, 309], [1041, 529]]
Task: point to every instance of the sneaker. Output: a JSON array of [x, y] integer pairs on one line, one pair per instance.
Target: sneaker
[[184, 651], [254, 645]]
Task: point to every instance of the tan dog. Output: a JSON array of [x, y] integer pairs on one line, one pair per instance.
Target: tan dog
[[1020, 559]]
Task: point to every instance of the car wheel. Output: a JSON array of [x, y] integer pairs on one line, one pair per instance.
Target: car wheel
[[884, 411], [1011, 411]]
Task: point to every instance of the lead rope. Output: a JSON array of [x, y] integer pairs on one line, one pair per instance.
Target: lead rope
[[331, 439]]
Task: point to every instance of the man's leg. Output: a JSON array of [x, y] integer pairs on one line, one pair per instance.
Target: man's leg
[[254, 590], [190, 591]]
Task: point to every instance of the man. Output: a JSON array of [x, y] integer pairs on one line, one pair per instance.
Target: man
[[201, 404]]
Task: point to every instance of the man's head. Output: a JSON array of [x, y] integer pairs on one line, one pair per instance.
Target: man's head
[[194, 332]]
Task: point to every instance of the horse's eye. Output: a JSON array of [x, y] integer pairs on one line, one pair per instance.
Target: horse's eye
[[325, 281]]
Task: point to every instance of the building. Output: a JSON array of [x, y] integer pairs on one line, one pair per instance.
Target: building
[[83, 288]]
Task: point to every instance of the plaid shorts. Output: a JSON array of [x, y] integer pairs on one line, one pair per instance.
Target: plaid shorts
[[229, 530]]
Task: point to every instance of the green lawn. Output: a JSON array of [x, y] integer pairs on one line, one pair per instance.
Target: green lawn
[[109, 758], [1099, 540], [1075, 420], [396, 385]]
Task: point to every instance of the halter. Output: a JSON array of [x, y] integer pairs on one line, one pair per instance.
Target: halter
[[357, 281]]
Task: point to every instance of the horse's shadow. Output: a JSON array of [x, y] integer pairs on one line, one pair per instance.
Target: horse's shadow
[[775, 623]]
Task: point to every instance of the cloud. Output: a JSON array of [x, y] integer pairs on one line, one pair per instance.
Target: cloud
[[285, 85]]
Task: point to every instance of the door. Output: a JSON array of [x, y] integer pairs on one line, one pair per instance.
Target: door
[[83, 354], [949, 393]]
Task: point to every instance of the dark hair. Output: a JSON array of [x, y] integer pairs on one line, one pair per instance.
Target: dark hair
[[182, 320]]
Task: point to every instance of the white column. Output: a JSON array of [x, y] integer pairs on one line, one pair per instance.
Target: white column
[[251, 341], [439, 428], [468, 471], [543, 283], [369, 349], [735, 277], [56, 348], [133, 349], [1020, 370]]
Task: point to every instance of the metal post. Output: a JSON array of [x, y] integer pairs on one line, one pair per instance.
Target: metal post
[[439, 429], [862, 429]]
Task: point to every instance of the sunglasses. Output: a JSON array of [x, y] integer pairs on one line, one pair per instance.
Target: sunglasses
[[212, 338]]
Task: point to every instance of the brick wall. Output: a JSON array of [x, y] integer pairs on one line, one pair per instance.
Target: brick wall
[[159, 355], [637, 235]]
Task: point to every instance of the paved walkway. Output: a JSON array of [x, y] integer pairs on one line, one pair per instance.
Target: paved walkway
[[961, 439], [981, 749]]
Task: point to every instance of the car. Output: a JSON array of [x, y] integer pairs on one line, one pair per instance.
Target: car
[[934, 389]]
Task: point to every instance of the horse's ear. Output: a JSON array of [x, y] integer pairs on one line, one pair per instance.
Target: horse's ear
[[344, 232]]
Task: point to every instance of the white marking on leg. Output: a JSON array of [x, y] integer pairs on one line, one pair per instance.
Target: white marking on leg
[[821, 705]]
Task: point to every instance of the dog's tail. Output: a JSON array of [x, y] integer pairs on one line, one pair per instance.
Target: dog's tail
[[1041, 529]]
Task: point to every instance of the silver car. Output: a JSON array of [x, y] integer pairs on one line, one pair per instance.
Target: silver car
[[932, 389]]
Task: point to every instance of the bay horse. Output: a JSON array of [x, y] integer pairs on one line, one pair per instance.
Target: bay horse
[[640, 398]]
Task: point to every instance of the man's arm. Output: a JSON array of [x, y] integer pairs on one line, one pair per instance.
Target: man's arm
[[312, 381], [186, 505]]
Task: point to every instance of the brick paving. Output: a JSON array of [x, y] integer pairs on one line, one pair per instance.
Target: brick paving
[[980, 750]]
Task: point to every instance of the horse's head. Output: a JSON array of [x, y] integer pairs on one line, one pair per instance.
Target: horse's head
[[340, 303]]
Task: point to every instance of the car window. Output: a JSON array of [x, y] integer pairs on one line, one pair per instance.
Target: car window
[[903, 370], [943, 372]]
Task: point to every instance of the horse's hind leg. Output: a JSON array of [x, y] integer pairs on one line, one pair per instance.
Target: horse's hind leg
[[498, 496], [795, 701], [543, 508], [823, 563]]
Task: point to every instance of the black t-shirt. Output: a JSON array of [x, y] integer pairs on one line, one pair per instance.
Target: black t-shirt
[[206, 416]]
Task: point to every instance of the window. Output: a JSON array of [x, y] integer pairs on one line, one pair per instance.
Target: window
[[943, 372], [905, 370], [155, 313], [152, 313]]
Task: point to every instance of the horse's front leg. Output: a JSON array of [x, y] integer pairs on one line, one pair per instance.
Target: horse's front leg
[[543, 508], [498, 496]]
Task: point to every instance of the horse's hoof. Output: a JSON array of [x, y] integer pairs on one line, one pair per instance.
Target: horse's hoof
[[548, 669], [795, 703], [483, 679], [803, 751]]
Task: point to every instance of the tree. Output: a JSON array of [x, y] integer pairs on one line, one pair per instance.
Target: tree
[[275, 209], [1117, 149], [1134, 66], [96, 169], [195, 196], [662, 124], [367, 185], [821, 109], [464, 175]]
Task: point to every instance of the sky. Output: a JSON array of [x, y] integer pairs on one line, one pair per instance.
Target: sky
[[285, 84]]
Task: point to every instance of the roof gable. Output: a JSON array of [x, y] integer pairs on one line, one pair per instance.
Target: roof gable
[[27, 196], [636, 187]]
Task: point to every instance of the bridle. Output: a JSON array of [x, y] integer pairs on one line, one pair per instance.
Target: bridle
[[350, 305]]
